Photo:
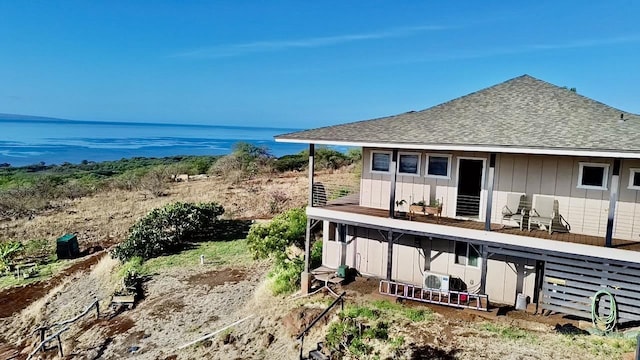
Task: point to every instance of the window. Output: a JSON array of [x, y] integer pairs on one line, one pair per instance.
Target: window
[[634, 179], [331, 236], [380, 161], [467, 254], [593, 176], [409, 163], [438, 166]]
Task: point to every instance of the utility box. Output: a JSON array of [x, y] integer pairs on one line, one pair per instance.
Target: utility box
[[342, 271], [67, 247]]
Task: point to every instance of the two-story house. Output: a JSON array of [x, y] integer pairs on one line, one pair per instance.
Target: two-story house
[[520, 188]]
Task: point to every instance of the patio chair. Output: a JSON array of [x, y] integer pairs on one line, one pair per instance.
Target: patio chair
[[514, 210], [543, 212]]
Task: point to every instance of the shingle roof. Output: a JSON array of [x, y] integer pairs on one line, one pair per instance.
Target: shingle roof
[[523, 112]]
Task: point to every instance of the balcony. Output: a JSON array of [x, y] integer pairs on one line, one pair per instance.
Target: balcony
[[340, 202]]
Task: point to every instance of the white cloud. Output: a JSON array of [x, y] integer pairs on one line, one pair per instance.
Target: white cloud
[[230, 50]]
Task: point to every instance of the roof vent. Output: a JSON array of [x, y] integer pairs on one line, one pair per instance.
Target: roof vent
[[621, 118]]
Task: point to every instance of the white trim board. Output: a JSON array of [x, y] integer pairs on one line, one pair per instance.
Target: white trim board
[[478, 148], [478, 235]]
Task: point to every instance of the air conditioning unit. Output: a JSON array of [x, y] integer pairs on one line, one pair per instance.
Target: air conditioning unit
[[435, 281]]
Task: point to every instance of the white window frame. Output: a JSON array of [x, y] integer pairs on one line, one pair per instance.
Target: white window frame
[[426, 166], [419, 163], [605, 176], [466, 256], [390, 153], [632, 173]]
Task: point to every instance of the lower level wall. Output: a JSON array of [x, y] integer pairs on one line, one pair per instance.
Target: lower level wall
[[366, 251]]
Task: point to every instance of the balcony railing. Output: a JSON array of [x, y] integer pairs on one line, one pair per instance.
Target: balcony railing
[[330, 191]]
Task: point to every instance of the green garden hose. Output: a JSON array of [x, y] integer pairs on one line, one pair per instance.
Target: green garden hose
[[607, 322]]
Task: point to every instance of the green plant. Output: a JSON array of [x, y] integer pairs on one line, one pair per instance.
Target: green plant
[[316, 254], [507, 332], [412, 314], [272, 239], [8, 250], [358, 311], [380, 331], [167, 229], [40, 250], [297, 162], [286, 276], [397, 342]]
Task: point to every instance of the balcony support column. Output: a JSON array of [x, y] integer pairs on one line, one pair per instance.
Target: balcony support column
[[490, 181], [483, 268], [613, 198], [393, 167], [305, 283], [311, 171], [389, 254]]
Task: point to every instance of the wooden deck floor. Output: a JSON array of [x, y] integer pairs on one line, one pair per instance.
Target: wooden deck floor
[[350, 207]]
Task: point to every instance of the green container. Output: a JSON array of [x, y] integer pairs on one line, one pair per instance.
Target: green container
[[342, 271], [67, 246]]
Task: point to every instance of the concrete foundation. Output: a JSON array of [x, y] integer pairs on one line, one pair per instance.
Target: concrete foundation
[[305, 282]]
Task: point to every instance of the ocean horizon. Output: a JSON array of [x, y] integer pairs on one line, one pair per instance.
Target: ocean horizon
[[56, 141]]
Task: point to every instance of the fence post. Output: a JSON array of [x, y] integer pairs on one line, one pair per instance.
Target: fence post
[[97, 310], [42, 335], [301, 345], [60, 346]]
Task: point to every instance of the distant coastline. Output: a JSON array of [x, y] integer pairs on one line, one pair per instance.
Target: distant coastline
[[46, 120], [31, 140]]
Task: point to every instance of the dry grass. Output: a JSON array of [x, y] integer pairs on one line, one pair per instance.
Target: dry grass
[[104, 218]]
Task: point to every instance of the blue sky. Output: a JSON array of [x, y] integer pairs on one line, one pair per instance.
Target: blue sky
[[300, 63]]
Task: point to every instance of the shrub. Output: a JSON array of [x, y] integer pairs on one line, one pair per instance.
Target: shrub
[[297, 162], [155, 181], [245, 161], [286, 276], [272, 239], [74, 189], [8, 250], [316, 254], [168, 229]]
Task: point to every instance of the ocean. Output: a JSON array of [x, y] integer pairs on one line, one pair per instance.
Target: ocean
[[53, 141]]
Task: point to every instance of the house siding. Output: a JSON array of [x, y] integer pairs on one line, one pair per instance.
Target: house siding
[[586, 211], [366, 251]]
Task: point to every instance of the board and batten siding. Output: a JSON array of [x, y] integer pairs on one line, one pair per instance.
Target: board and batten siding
[[375, 188], [366, 251], [584, 210]]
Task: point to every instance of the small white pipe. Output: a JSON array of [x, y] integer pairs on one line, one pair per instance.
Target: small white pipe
[[213, 333]]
